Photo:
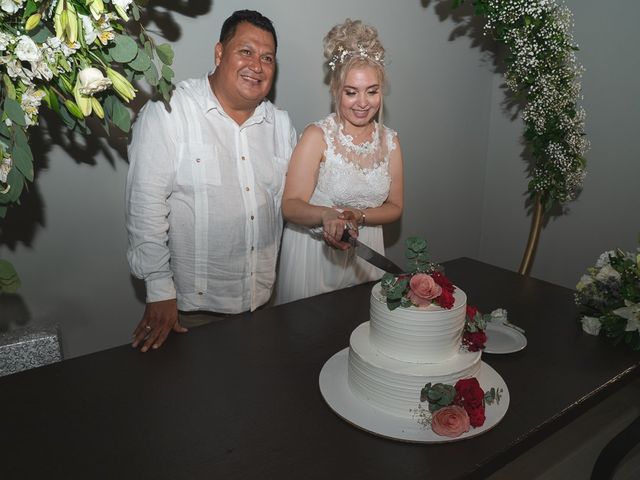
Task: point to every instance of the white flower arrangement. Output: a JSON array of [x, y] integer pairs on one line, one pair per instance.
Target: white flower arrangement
[[608, 298], [77, 58], [541, 66]]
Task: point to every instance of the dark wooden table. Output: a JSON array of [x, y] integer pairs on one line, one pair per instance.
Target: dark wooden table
[[239, 399]]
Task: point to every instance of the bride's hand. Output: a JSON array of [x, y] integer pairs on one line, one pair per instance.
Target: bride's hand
[[334, 223]]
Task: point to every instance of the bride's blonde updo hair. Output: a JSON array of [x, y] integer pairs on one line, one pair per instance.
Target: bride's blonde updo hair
[[352, 44]]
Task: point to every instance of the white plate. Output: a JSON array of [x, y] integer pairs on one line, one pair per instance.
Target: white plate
[[503, 339], [336, 392]]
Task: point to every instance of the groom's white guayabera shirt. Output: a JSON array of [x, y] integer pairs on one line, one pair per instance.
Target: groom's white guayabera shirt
[[203, 200]]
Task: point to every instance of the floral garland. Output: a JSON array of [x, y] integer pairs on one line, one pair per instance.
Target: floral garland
[[77, 58], [424, 284], [541, 67], [608, 298]]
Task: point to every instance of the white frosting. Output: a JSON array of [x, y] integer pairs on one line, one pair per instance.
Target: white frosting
[[392, 357], [394, 386], [420, 335]]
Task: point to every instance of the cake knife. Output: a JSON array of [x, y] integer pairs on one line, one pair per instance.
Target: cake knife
[[370, 255]]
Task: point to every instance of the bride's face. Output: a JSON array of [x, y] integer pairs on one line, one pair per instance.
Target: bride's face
[[361, 96]]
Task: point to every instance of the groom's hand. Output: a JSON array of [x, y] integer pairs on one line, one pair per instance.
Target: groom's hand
[[158, 320]]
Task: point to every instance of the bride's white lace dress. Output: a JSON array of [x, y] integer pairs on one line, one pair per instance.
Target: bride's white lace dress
[[350, 175]]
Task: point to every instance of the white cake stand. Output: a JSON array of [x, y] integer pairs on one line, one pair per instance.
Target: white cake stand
[[338, 395]]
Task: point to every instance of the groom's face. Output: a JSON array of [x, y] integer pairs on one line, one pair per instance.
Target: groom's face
[[246, 65]]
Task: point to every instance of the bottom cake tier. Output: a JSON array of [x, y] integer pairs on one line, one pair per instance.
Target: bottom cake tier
[[394, 386]]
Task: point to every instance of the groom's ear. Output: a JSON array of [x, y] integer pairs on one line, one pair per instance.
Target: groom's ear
[[217, 53]]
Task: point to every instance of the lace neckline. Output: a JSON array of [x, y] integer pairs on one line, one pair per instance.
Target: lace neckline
[[364, 148]]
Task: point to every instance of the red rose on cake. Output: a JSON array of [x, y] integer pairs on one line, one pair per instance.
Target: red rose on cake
[[474, 341], [450, 421], [443, 281], [476, 416], [446, 300], [470, 395], [423, 290]]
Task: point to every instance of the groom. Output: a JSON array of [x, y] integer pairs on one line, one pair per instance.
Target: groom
[[205, 184]]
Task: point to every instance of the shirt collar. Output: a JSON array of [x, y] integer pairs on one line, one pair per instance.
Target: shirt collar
[[264, 110]]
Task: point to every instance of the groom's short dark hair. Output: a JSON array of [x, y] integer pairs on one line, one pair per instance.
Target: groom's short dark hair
[[254, 18]]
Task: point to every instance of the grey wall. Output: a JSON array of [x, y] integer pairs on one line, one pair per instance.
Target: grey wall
[[464, 175]]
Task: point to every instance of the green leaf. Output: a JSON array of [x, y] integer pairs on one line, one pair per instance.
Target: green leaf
[[4, 130], [124, 50], [148, 48], [9, 280], [30, 8], [14, 112], [20, 137], [167, 73], [41, 33], [53, 101], [165, 90], [165, 53], [135, 11], [141, 62], [118, 113], [8, 84], [23, 160], [66, 117], [16, 180], [151, 75]]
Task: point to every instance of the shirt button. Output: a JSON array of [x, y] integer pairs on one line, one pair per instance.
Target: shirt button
[[242, 157], [251, 217], [252, 249], [197, 160], [247, 189], [200, 293]]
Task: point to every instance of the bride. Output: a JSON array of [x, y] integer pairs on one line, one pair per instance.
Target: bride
[[345, 173]]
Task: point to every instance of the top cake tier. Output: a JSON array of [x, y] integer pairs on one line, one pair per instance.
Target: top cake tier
[[418, 335]]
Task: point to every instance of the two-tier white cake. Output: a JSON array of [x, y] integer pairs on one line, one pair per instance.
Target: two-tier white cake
[[397, 352]]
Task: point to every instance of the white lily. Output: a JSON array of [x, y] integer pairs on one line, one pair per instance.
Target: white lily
[[631, 313]]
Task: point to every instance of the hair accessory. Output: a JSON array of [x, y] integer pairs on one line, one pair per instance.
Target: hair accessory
[[360, 51]]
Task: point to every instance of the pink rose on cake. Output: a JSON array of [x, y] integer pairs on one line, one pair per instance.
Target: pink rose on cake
[[423, 289], [450, 421]]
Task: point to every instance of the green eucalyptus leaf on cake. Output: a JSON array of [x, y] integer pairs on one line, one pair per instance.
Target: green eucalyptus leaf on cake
[[490, 396], [386, 281], [393, 304], [416, 244], [405, 302], [424, 392]]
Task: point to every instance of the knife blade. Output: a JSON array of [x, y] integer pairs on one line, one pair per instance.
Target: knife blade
[[370, 255]]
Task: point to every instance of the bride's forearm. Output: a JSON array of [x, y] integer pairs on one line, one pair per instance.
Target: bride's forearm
[[385, 213], [303, 213]]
